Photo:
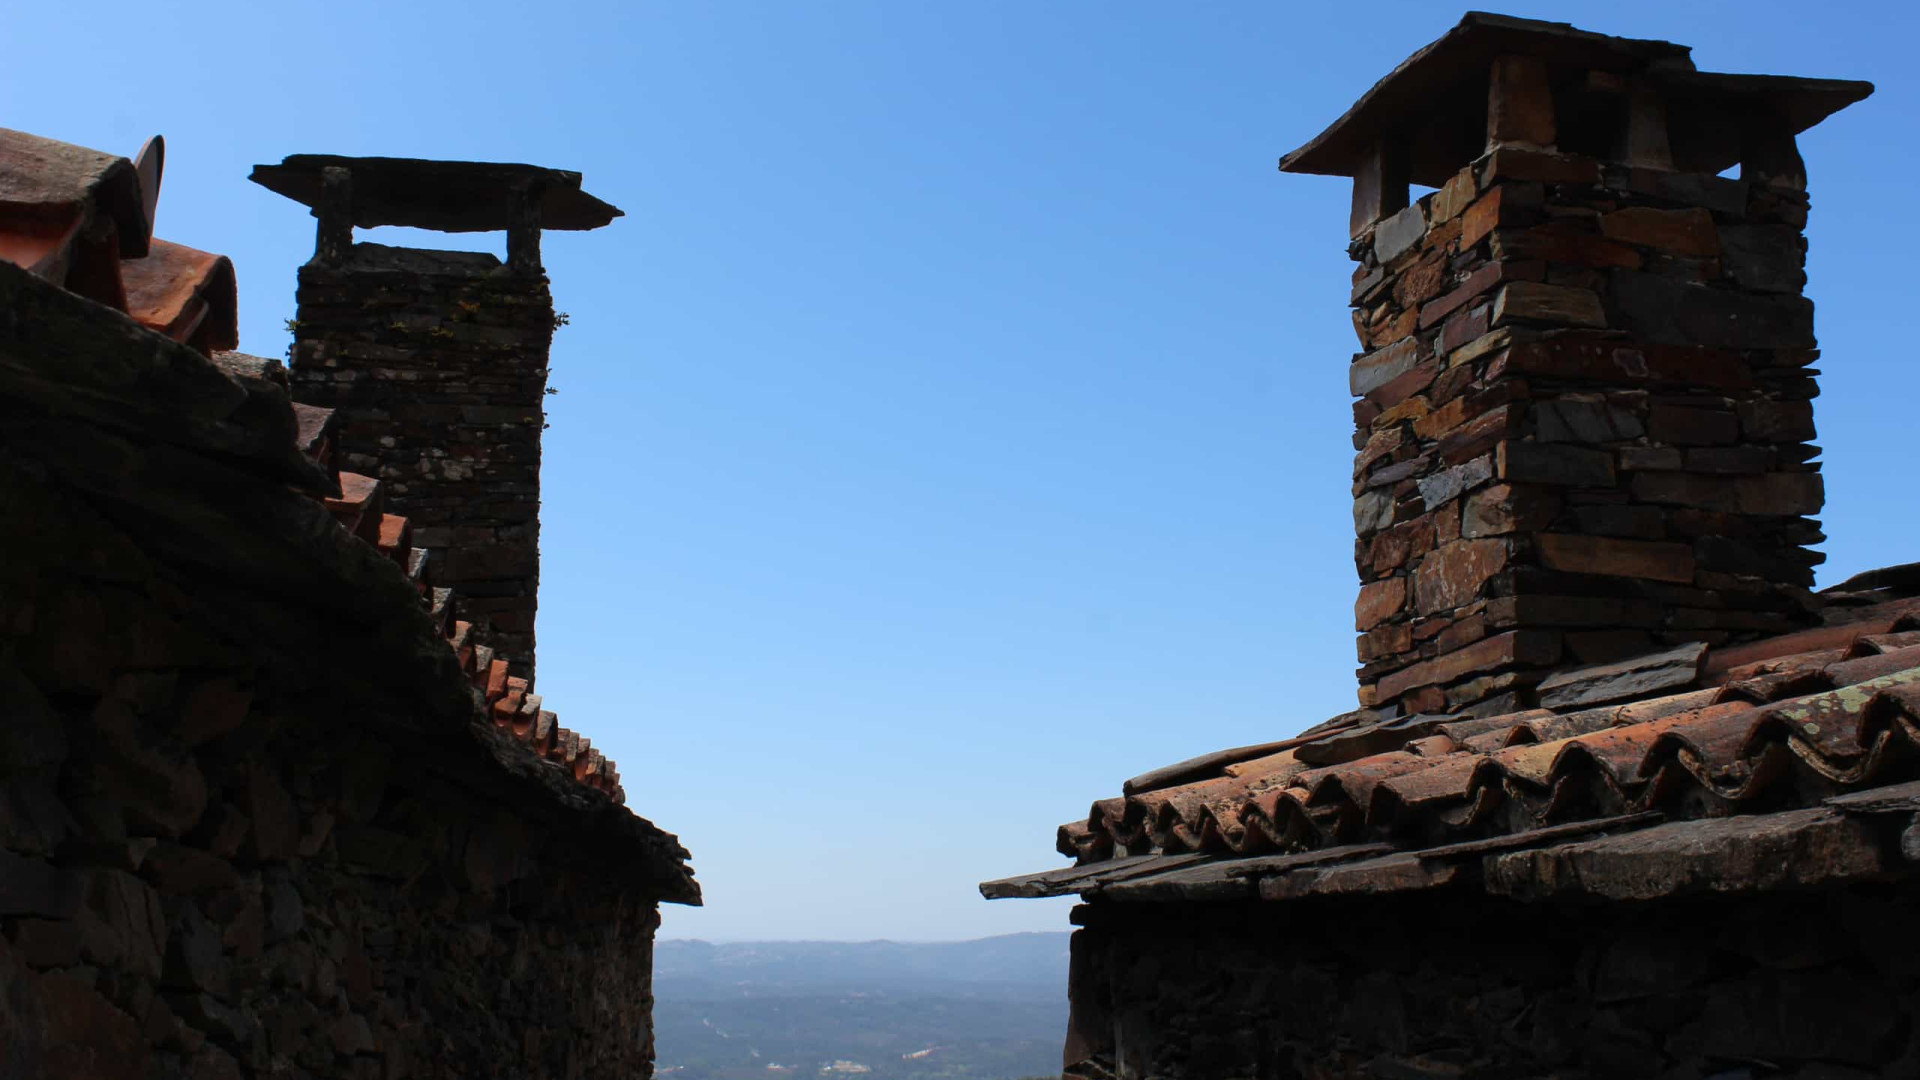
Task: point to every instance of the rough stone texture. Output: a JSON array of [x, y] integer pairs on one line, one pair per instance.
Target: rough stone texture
[[253, 821], [436, 365], [1776, 985], [1596, 355]]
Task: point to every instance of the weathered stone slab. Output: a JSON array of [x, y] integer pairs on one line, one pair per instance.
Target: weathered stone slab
[[1776, 421], [1536, 837], [1786, 493], [1513, 647], [1563, 245], [1891, 799], [1069, 879], [1227, 879], [1766, 258], [1653, 458], [1378, 602], [1477, 283], [1613, 360], [1372, 512], [1386, 874], [1573, 611], [1560, 464], [1582, 421], [1508, 204], [1641, 676], [1516, 163], [1558, 305], [1451, 575], [1394, 236], [1449, 484], [1720, 194], [1506, 508], [1676, 232], [1743, 853], [1614, 557], [1375, 369], [1660, 311], [1520, 102]]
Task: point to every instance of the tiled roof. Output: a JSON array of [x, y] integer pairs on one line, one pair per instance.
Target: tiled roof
[[82, 219], [1746, 735], [505, 702]]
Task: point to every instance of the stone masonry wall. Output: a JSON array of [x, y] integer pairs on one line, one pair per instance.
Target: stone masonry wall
[[215, 863], [1583, 426], [1783, 985], [436, 365], [253, 822]]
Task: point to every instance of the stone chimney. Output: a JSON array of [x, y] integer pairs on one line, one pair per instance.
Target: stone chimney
[[1584, 414], [435, 362]]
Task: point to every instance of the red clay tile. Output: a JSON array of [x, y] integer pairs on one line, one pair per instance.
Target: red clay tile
[[186, 294]]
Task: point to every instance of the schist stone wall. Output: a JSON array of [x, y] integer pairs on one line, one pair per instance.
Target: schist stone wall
[[253, 822], [1585, 412], [436, 366], [1425, 988]]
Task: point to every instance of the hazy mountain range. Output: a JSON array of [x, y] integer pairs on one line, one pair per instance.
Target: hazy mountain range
[[992, 1009]]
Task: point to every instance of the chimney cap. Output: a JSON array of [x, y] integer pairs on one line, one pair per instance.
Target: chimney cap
[[446, 196], [1436, 98]]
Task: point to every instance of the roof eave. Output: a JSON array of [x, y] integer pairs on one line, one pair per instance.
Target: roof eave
[[1473, 41]]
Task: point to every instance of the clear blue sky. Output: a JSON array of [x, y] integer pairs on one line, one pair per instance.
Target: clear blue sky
[[956, 423]]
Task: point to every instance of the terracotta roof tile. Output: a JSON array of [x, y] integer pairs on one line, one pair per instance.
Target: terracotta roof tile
[[1761, 729], [186, 294], [83, 220], [47, 182]]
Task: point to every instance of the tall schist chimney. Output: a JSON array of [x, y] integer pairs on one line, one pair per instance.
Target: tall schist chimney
[[435, 362], [1585, 406]]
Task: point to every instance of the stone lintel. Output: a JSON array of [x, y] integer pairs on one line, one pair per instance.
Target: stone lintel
[[446, 196], [1442, 93]]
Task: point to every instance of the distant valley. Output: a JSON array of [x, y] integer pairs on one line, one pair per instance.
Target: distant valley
[[991, 1009]]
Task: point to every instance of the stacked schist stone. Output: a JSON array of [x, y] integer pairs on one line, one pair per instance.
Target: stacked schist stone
[[438, 365], [1585, 414]]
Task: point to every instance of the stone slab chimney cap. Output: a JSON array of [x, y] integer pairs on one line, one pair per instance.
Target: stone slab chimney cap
[[1436, 98], [446, 196]]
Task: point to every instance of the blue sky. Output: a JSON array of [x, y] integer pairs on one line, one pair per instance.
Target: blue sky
[[956, 423]]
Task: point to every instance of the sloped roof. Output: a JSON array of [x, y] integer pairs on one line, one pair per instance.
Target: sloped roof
[[236, 409], [1742, 738]]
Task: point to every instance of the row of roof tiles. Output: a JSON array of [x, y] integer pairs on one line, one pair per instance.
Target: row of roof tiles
[[1690, 733], [508, 701]]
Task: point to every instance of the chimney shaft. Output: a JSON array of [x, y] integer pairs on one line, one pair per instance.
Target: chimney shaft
[[1584, 414], [435, 362]]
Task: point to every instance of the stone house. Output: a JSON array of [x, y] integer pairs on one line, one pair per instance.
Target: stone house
[[277, 795], [1624, 796]]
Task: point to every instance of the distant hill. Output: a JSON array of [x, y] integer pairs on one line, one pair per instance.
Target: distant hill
[[1008, 963], [991, 1009]]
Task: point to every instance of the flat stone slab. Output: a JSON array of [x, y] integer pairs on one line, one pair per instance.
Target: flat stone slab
[[448, 196]]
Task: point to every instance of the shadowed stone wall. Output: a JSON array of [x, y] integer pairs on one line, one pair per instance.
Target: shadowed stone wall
[[435, 363], [253, 821], [1418, 988]]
